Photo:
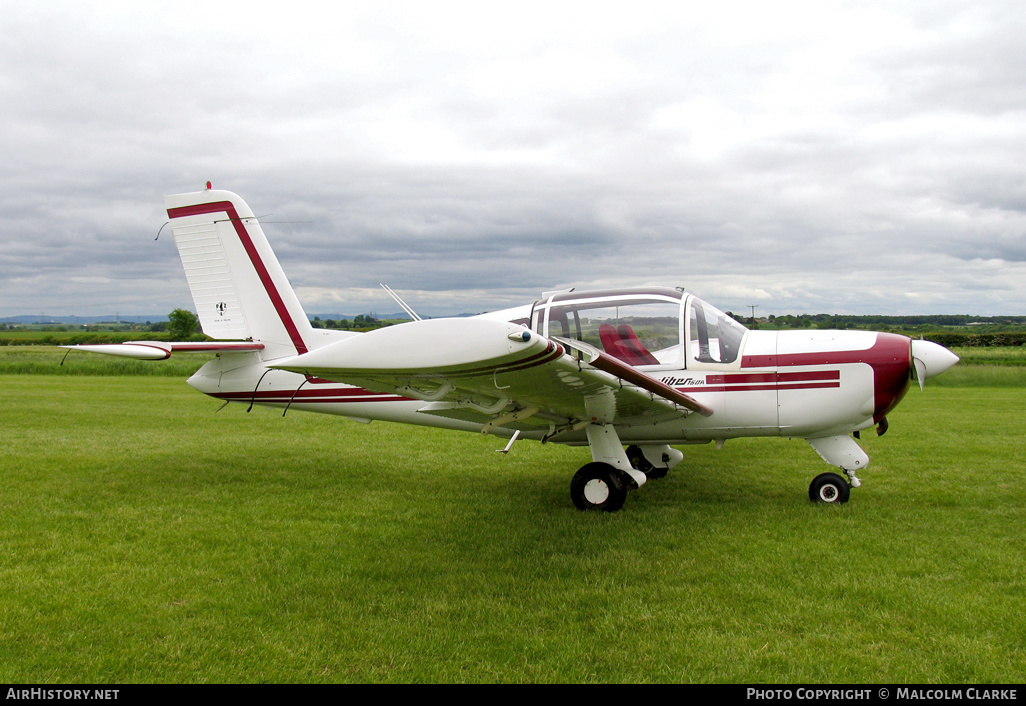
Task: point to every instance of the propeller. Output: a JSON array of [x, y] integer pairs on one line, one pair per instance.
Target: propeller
[[929, 359]]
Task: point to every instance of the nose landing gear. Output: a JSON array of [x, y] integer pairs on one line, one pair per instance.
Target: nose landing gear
[[829, 488]]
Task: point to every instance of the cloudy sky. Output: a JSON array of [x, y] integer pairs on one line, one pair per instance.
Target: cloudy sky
[[848, 157]]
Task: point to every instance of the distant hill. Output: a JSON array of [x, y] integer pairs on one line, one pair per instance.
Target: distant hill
[[84, 320]]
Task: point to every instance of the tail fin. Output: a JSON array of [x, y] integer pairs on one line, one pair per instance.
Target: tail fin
[[239, 289]]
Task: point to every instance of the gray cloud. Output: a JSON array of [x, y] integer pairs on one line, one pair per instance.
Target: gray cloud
[[805, 157]]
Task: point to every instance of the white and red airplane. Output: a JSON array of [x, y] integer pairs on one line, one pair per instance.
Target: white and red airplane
[[626, 372]]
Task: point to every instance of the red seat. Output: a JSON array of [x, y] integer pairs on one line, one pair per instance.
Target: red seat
[[637, 350], [622, 343], [610, 339]]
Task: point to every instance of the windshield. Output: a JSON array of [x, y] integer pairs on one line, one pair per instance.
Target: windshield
[[713, 337]]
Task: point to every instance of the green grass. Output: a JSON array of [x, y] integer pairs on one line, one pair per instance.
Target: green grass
[[52, 360], [1009, 356], [60, 336], [985, 367], [146, 538]]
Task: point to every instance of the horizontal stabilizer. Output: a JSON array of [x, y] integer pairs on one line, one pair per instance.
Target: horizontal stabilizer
[[161, 350]]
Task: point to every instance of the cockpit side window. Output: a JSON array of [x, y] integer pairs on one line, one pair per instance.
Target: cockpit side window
[[563, 322], [713, 336]]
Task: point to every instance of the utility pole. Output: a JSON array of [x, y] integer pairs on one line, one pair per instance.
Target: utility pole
[[753, 307]]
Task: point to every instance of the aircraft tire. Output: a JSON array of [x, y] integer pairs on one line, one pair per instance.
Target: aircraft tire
[[597, 486], [639, 462], [829, 488]]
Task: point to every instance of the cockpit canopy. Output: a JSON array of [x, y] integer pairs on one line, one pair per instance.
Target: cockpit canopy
[[643, 327]]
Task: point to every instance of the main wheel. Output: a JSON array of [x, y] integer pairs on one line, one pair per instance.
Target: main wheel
[[638, 460], [597, 486], [829, 488], [657, 472]]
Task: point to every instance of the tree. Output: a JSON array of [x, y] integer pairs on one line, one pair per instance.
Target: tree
[[364, 321], [182, 323]]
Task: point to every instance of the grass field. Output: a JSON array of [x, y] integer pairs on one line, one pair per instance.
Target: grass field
[[146, 538], [52, 360]]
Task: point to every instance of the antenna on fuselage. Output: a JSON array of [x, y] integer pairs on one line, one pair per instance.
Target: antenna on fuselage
[[400, 302]]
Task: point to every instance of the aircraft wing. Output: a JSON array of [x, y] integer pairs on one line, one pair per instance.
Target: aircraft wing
[[496, 373], [161, 350]]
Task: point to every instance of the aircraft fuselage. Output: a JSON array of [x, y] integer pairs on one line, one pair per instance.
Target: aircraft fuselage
[[783, 383]]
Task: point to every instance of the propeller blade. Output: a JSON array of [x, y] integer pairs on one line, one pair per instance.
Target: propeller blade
[[920, 367]]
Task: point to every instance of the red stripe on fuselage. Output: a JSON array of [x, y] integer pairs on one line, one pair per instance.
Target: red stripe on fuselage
[[228, 208], [889, 357], [748, 382], [888, 346], [749, 378], [760, 388]]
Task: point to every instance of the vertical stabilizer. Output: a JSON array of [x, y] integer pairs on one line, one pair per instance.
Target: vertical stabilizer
[[238, 287]]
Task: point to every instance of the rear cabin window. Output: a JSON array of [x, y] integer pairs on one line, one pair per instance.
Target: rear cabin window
[[638, 332]]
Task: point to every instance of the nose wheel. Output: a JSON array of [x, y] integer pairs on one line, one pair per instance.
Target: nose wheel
[[829, 488]]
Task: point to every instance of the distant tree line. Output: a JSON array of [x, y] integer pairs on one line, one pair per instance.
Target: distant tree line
[[841, 321], [976, 340], [360, 322]]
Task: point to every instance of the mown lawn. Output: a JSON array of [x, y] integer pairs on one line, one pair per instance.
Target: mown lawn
[[146, 538]]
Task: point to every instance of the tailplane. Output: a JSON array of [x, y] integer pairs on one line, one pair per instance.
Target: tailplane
[[237, 284]]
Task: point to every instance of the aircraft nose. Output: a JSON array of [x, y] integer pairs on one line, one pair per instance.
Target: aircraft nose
[[931, 359]]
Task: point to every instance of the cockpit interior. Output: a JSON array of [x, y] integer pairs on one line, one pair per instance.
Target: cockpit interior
[[647, 328]]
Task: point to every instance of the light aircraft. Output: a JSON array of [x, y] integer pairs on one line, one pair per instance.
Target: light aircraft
[[627, 372]]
